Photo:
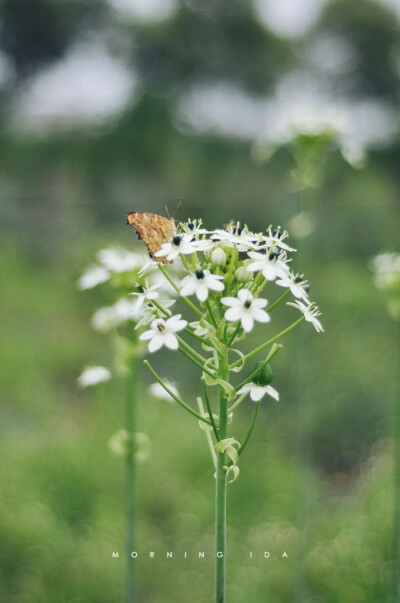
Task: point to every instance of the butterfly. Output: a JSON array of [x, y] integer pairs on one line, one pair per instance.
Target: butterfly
[[153, 230]]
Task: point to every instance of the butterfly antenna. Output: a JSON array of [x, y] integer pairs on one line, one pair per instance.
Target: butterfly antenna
[[178, 206], [166, 209]]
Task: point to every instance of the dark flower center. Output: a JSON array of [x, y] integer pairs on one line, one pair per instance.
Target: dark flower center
[[177, 240], [247, 304], [190, 225], [199, 274], [161, 327]]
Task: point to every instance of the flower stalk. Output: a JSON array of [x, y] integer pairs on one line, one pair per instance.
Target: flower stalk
[[220, 491], [228, 272]]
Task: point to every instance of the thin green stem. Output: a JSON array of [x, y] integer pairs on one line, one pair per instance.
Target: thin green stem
[[236, 331], [175, 397], [191, 351], [209, 410], [175, 286], [220, 498], [197, 363], [278, 301], [130, 594], [208, 434], [238, 401], [211, 314], [274, 350], [251, 428], [254, 285], [267, 343], [395, 543]]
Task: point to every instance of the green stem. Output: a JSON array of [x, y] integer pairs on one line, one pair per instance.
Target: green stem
[[171, 393], [255, 283], [191, 351], [267, 343], [196, 362], [236, 331], [208, 434], [395, 543], [220, 498], [209, 410], [274, 350], [248, 435], [238, 401], [174, 285], [211, 314], [130, 595], [278, 301]]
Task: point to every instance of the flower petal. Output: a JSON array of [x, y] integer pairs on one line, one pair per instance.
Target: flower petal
[[171, 341], [247, 321], [257, 393], [234, 314], [156, 343]]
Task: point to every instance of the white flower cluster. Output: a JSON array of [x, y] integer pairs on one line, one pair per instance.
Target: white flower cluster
[[226, 270], [124, 270]]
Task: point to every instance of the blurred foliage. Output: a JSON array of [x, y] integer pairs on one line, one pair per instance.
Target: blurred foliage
[[324, 495]]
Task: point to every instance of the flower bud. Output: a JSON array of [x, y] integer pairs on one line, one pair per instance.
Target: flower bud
[[264, 375], [218, 257], [241, 274]]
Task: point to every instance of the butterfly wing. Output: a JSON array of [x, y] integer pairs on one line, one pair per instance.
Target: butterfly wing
[[153, 230]]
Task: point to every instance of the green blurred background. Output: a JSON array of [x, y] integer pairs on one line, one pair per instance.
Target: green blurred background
[[252, 110]]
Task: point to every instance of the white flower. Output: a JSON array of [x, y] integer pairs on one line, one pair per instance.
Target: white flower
[[179, 244], [234, 235], [119, 260], [194, 227], [201, 283], [218, 257], [246, 309], [148, 265], [110, 317], [310, 313], [258, 391], [297, 286], [162, 332], [92, 375], [275, 239], [146, 293], [92, 277], [148, 314], [270, 265], [157, 391]]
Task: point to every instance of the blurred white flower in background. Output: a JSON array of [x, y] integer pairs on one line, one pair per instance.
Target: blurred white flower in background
[[87, 86], [117, 259], [157, 391], [92, 375], [109, 317], [145, 10], [299, 105], [92, 277], [288, 18], [387, 270]]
